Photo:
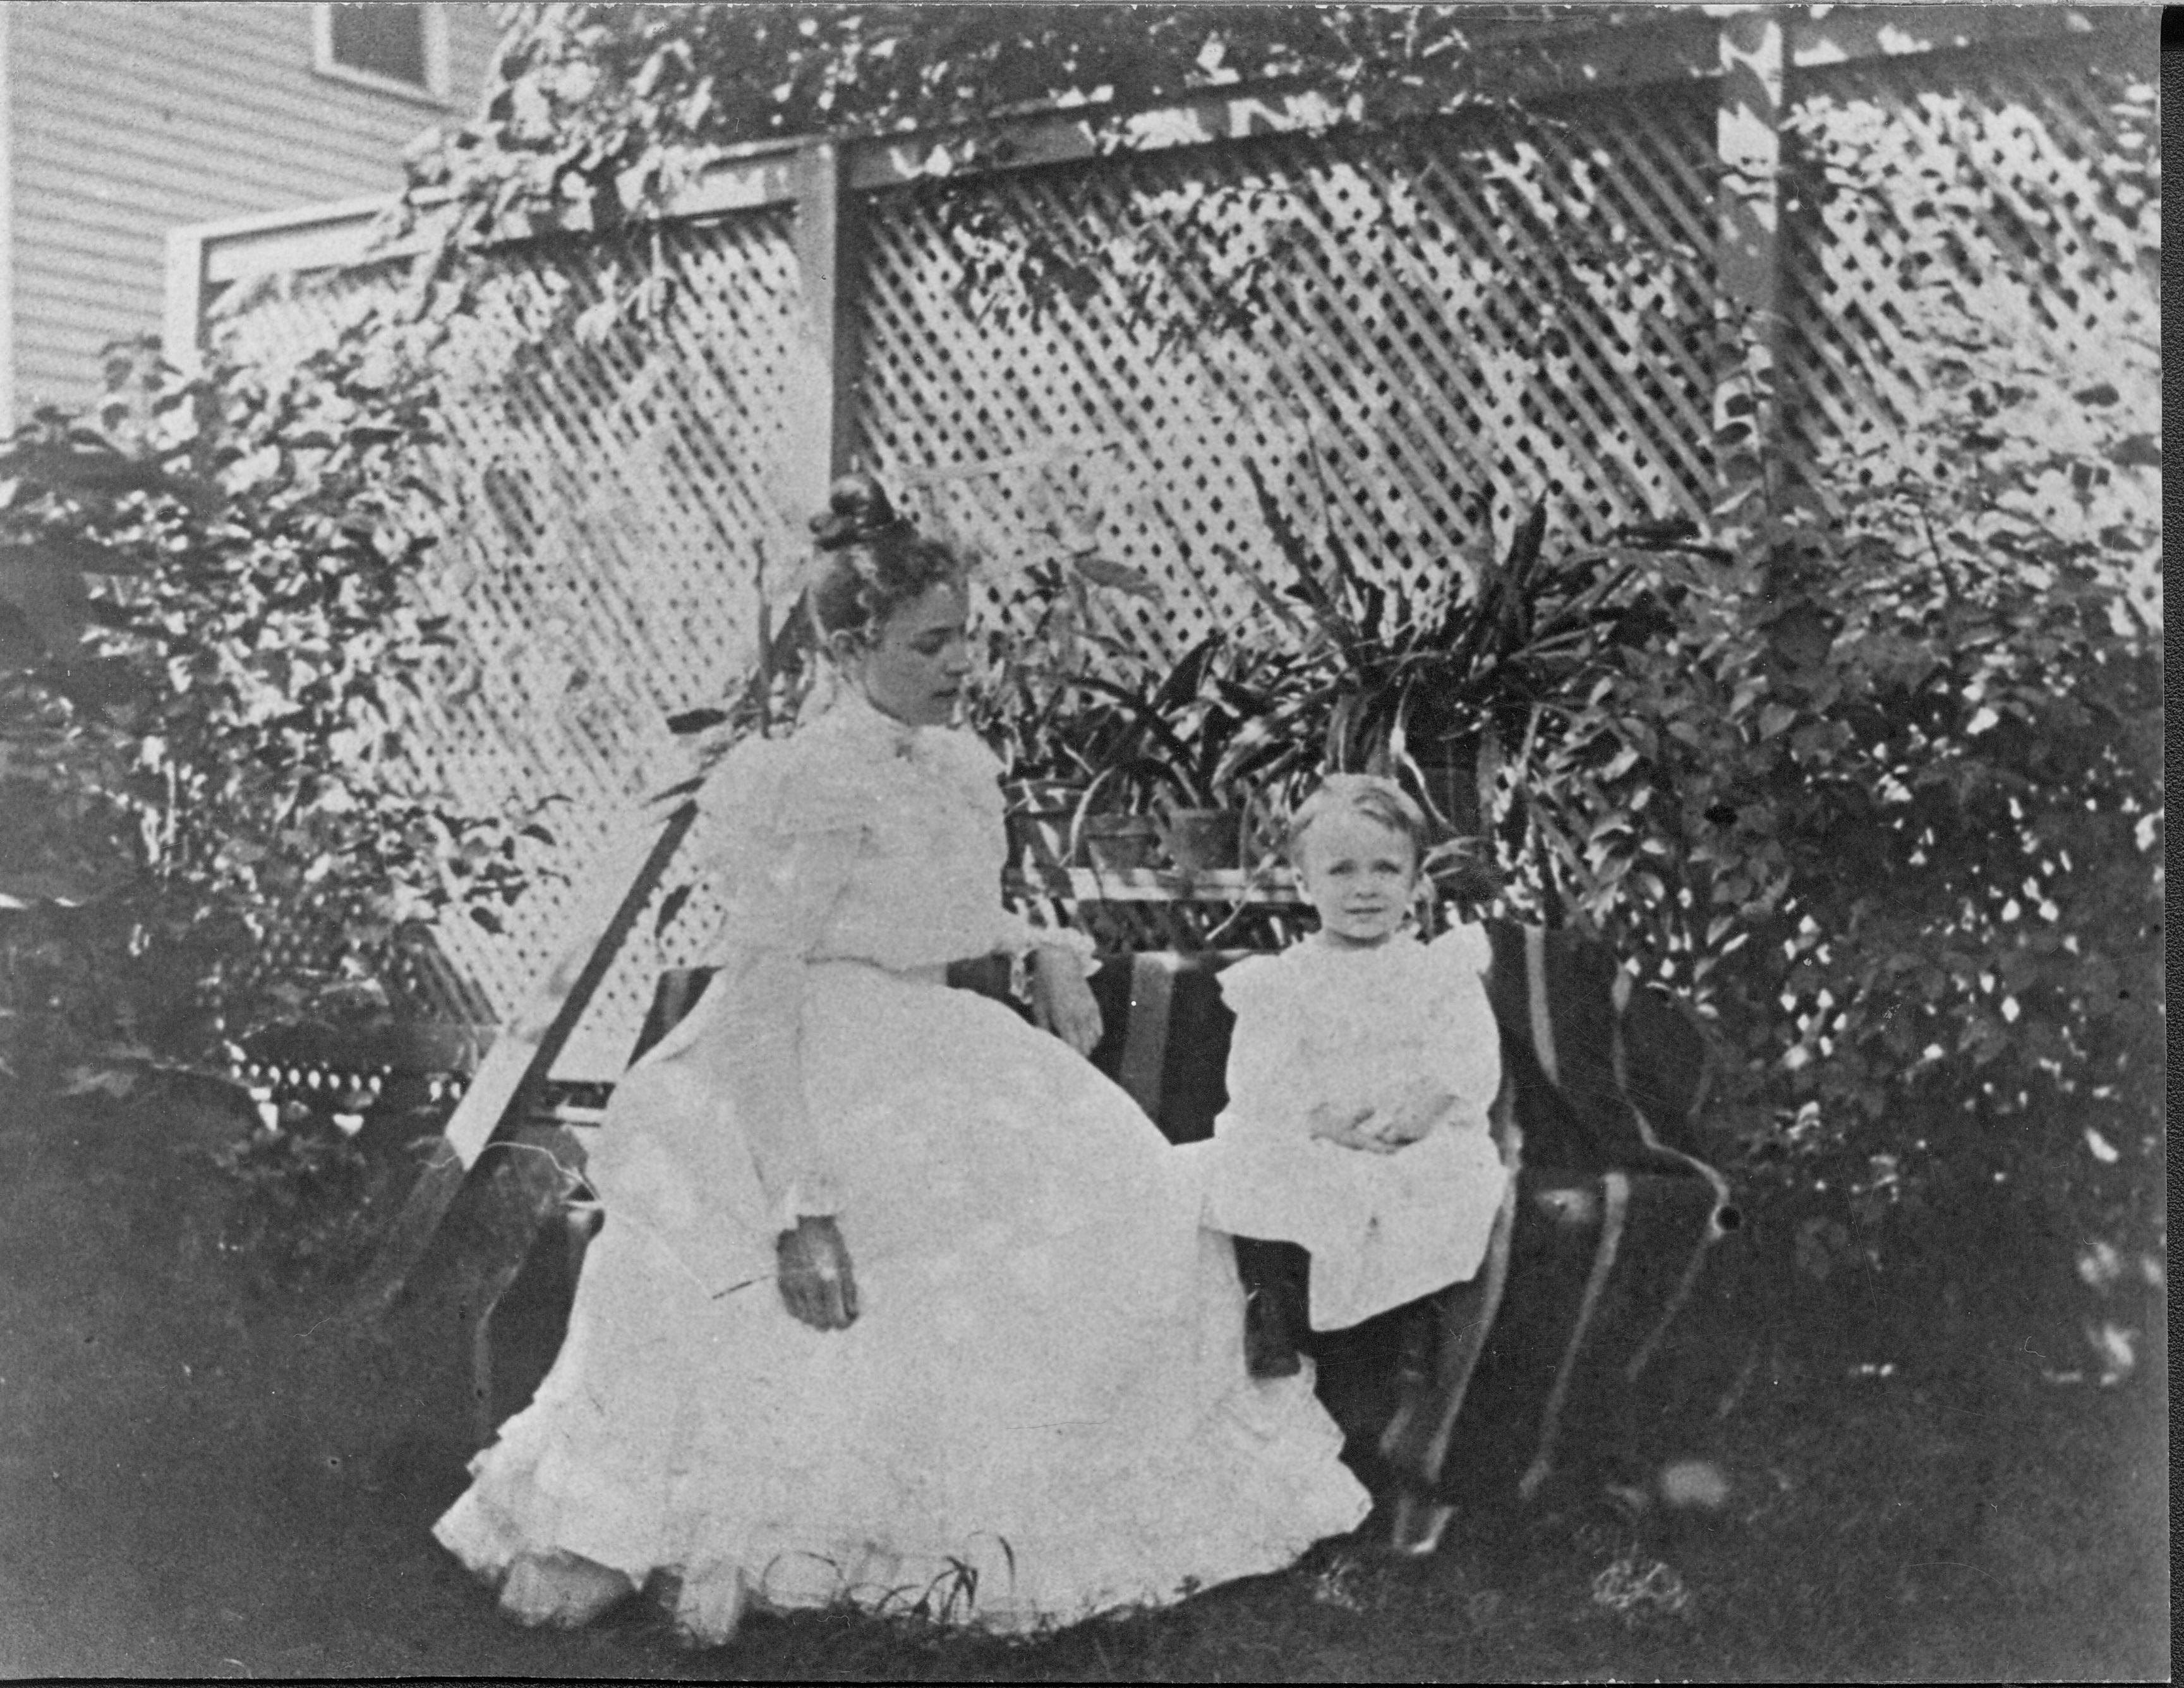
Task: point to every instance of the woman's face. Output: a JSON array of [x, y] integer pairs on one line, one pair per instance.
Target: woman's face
[[1359, 875], [914, 666]]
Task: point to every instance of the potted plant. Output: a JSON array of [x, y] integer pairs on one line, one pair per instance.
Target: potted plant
[[1075, 800], [1176, 754], [1113, 827], [1028, 703], [1424, 683]]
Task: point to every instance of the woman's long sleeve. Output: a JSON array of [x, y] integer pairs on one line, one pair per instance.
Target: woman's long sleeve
[[783, 865], [779, 913], [857, 840]]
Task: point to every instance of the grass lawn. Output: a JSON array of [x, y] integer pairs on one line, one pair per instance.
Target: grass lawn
[[199, 1480]]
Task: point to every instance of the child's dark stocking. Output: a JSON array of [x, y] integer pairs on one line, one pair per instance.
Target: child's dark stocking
[[1420, 1344], [1276, 1289]]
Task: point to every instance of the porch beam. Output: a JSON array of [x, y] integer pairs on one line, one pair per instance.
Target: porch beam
[[1840, 34]]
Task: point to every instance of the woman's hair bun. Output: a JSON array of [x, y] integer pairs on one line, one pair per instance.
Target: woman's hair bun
[[871, 562], [857, 509]]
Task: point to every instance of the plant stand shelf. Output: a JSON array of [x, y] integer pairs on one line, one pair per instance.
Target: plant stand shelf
[[1150, 908], [1274, 887]]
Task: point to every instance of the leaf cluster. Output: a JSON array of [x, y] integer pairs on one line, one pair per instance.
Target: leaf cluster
[[1884, 793], [598, 113], [208, 646], [592, 103], [1421, 672]]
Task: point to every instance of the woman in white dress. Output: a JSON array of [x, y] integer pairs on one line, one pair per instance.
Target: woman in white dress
[[897, 1300]]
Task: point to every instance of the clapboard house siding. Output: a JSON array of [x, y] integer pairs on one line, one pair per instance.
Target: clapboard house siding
[[129, 118]]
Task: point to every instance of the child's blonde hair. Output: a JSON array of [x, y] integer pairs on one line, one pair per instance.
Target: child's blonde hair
[[1376, 797]]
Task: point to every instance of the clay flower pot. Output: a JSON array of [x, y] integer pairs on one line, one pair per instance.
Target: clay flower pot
[[1203, 840], [1118, 844]]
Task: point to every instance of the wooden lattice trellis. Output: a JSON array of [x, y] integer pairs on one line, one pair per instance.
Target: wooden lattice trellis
[[2004, 174], [1463, 319], [619, 493], [1461, 316], [613, 505]]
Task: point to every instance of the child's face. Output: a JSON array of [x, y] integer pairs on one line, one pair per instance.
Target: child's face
[[1359, 875]]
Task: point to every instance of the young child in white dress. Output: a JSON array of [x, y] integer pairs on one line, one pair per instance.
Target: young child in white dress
[[1360, 1074]]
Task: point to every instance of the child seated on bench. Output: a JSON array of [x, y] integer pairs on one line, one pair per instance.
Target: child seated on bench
[[1360, 1074]]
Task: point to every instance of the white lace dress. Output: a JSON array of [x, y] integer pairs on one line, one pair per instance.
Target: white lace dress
[[1042, 1411], [1354, 1027]]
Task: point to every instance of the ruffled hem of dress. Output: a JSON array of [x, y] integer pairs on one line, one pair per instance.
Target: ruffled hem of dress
[[1011, 1580]]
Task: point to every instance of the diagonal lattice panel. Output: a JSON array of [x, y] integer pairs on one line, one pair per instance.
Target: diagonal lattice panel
[[613, 492], [1451, 323], [646, 459], [1984, 179]]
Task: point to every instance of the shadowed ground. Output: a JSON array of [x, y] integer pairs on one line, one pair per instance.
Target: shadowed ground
[[199, 1480]]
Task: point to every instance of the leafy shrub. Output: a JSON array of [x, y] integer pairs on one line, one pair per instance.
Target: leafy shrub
[[298, 1198], [207, 826], [1887, 798]]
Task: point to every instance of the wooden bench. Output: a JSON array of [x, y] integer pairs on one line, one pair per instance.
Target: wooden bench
[[1611, 1219]]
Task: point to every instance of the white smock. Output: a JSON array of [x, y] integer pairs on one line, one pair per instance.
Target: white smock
[[1043, 1411], [1354, 1028]]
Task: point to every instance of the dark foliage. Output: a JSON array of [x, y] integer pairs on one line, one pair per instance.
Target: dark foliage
[[210, 641]]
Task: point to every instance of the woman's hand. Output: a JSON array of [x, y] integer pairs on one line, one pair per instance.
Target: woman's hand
[[1348, 1128], [1062, 1002], [817, 1285]]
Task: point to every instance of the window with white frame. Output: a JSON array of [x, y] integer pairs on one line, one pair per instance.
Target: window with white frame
[[398, 46]]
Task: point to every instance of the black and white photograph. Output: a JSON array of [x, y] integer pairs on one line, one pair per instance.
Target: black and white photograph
[[1082, 841]]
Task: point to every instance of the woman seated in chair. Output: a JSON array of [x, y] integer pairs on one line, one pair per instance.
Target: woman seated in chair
[[897, 1298]]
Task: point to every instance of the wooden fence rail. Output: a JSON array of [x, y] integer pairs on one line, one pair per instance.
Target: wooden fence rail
[[1463, 315]]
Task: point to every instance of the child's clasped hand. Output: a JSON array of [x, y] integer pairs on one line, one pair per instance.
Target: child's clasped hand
[[1382, 1129], [1346, 1126], [1412, 1112]]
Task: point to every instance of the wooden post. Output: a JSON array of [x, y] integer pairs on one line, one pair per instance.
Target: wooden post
[[9, 62], [1748, 220], [827, 256], [493, 1107], [181, 337]]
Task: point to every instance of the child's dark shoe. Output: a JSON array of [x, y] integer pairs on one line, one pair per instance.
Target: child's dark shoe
[[1421, 1332], [1270, 1349]]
